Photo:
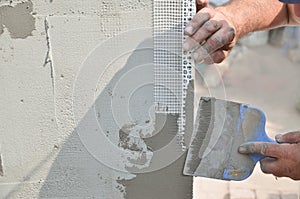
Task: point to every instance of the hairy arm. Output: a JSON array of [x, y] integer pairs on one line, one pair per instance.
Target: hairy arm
[[254, 15], [213, 32]]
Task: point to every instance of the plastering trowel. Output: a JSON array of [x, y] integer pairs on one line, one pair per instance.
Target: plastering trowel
[[220, 128]]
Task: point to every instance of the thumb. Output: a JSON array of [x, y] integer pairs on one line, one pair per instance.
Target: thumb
[[292, 137]]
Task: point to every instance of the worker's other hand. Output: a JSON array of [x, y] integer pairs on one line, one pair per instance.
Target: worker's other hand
[[211, 36], [292, 137], [201, 4], [283, 159]]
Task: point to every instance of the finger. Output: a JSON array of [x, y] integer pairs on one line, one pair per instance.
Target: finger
[[198, 20], [216, 57], [292, 137], [220, 55], [263, 148], [222, 37], [275, 167], [207, 29], [267, 165], [272, 166], [201, 4]]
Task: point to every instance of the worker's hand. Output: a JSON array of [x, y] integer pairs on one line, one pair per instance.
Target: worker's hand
[[211, 36], [283, 159]]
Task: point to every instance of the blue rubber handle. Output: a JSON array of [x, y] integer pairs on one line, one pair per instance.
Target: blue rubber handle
[[290, 1], [260, 134], [256, 133]]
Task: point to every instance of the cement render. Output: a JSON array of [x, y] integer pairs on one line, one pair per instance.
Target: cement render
[[42, 153]]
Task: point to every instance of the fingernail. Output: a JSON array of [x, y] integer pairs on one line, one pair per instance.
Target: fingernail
[[242, 149], [186, 46], [189, 30], [278, 137]]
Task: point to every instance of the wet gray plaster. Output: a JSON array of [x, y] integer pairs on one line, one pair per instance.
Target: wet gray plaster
[[18, 20], [167, 182], [125, 139], [167, 130], [219, 132]]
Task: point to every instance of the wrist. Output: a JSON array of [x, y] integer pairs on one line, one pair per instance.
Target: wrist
[[231, 19]]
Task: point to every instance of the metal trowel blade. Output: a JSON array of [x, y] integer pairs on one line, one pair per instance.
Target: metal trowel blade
[[220, 127]]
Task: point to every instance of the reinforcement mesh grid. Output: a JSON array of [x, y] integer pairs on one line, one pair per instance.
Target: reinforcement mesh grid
[[172, 66]]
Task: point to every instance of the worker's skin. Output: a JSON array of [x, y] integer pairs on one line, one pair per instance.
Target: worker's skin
[[217, 30], [223, 26], [285, 161]]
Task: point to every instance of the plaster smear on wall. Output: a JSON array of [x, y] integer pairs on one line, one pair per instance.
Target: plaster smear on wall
[[17, 19], [118, 124], [168, 181], [155, 178]]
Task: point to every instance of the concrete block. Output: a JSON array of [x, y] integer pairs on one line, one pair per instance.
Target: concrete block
[[242, 194], [267, 194], [289, 196], [274, 196]]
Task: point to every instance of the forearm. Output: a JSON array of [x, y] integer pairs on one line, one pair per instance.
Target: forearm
[[254, 15]]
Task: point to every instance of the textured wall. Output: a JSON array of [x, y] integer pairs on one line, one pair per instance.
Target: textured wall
[[52, 52]]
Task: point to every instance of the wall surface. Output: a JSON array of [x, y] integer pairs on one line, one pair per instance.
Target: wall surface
[[76, 103]]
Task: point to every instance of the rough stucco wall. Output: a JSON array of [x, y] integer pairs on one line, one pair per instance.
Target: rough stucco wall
[[42, 47]]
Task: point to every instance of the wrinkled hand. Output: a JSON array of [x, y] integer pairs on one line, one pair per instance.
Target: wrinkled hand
[[211, 36], [283, 159]]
